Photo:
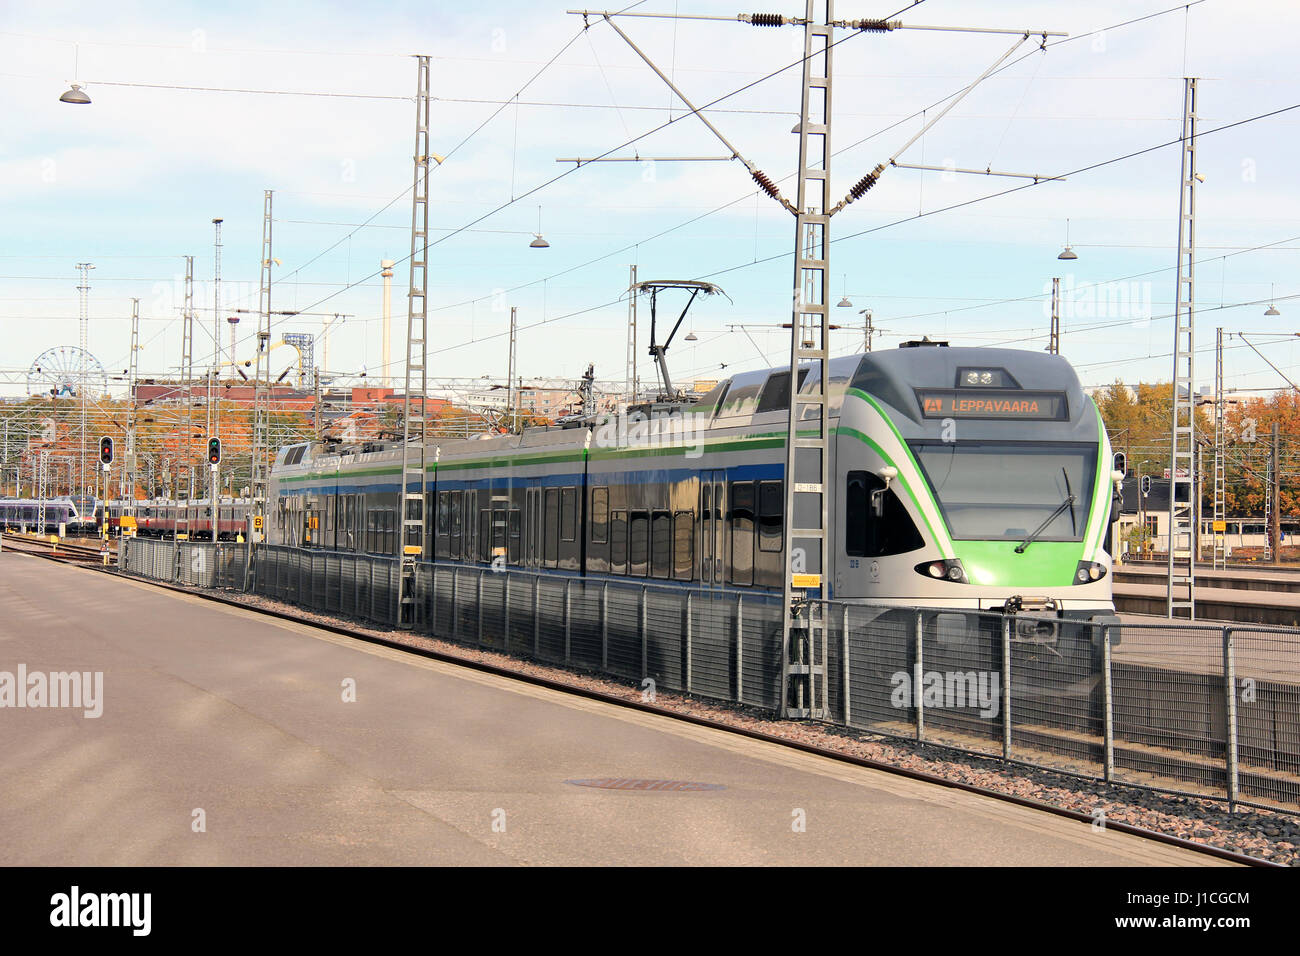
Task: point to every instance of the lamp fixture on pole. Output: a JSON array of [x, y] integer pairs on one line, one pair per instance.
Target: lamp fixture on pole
[[1272, 307], [76, 95], [539, 242], [1067, 252]]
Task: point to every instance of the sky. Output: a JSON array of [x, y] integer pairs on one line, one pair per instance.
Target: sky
[[197, 111]]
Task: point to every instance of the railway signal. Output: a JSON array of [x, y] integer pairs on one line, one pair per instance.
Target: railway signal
[[1121, 463], [106, 450], [214, 451], [1146, 485]]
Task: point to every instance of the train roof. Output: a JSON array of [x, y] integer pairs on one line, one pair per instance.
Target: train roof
[[891, 375]]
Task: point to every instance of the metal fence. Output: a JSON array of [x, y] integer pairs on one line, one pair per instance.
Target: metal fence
[[203, 564], [1202, 709]]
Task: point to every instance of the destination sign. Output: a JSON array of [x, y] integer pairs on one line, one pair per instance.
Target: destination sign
[[1000, 403]]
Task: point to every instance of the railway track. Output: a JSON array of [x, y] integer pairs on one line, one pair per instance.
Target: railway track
[[81, 555], [73, 550]]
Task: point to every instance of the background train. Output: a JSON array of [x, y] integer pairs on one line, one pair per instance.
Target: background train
[[958, 478], [164, 518], [76, 514]]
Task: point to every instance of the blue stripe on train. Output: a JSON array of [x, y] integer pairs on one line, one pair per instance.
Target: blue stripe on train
[[336, 484]]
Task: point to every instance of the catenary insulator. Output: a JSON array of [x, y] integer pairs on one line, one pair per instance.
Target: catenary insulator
[[764, 182], [766, 20], [866, 182]]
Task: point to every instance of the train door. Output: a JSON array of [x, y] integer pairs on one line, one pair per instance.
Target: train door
[[713, 529]]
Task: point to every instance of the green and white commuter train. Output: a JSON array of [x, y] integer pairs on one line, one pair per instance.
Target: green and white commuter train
[[962, 479]]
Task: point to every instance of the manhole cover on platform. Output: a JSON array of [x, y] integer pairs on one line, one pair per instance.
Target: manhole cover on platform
[[630, 783]]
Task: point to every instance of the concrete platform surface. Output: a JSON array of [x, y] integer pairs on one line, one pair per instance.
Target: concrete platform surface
[[239, 721]]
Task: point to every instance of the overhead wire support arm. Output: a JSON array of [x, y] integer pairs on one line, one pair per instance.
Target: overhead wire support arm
[[864, 185], [1242, 336], [645, 159], [763, 180], [990, 171]]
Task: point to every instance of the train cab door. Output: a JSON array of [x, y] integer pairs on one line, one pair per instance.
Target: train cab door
[[713, 529]]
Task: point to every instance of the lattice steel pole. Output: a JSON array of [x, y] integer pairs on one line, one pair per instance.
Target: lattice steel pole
[[414, 448], [1182, 452], [84, 332], [1054, 337], [808, 438], [262, 387], [1218, 528], [510, 373], [185, 448], [803, 691], [631, 337], [129, 459]]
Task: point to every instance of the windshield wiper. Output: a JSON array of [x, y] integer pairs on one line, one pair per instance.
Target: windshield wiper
[[1067, 503]]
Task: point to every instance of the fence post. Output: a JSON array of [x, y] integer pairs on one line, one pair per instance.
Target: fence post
[[479, 586], [740, 647], [568, 618], [505, 638], [644, 632], [1108, 704], [844, 663], [393, 577], [537, 616], [689, 614], [1230, 689], [455, 600], [918, 675], [356, 587], [604, 625], [1006, 688]]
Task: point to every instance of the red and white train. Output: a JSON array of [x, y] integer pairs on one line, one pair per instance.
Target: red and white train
[[159, 518]]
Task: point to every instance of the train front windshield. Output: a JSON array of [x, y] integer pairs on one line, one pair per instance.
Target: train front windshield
[[1002, 491]]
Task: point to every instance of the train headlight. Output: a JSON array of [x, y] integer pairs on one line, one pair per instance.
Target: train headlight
[[949, 569], [1088, 572]]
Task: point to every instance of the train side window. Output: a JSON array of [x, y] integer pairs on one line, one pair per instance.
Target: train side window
[[568, 514], [770, 507], [742, 532], [618, 542], [661, 545], [638, 543], [683, 545], [454, 525], [776, 393], [740, 400], [443, 521], [599, 515], [551, 527], [485, 535], [869, 536]]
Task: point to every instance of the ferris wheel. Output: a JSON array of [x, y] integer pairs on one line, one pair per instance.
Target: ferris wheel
[[60, 372]]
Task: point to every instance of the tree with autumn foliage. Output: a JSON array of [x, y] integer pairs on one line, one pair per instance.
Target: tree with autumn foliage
[[1138, 421]]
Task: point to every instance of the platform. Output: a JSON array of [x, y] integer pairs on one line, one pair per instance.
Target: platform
[[242, 716]]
